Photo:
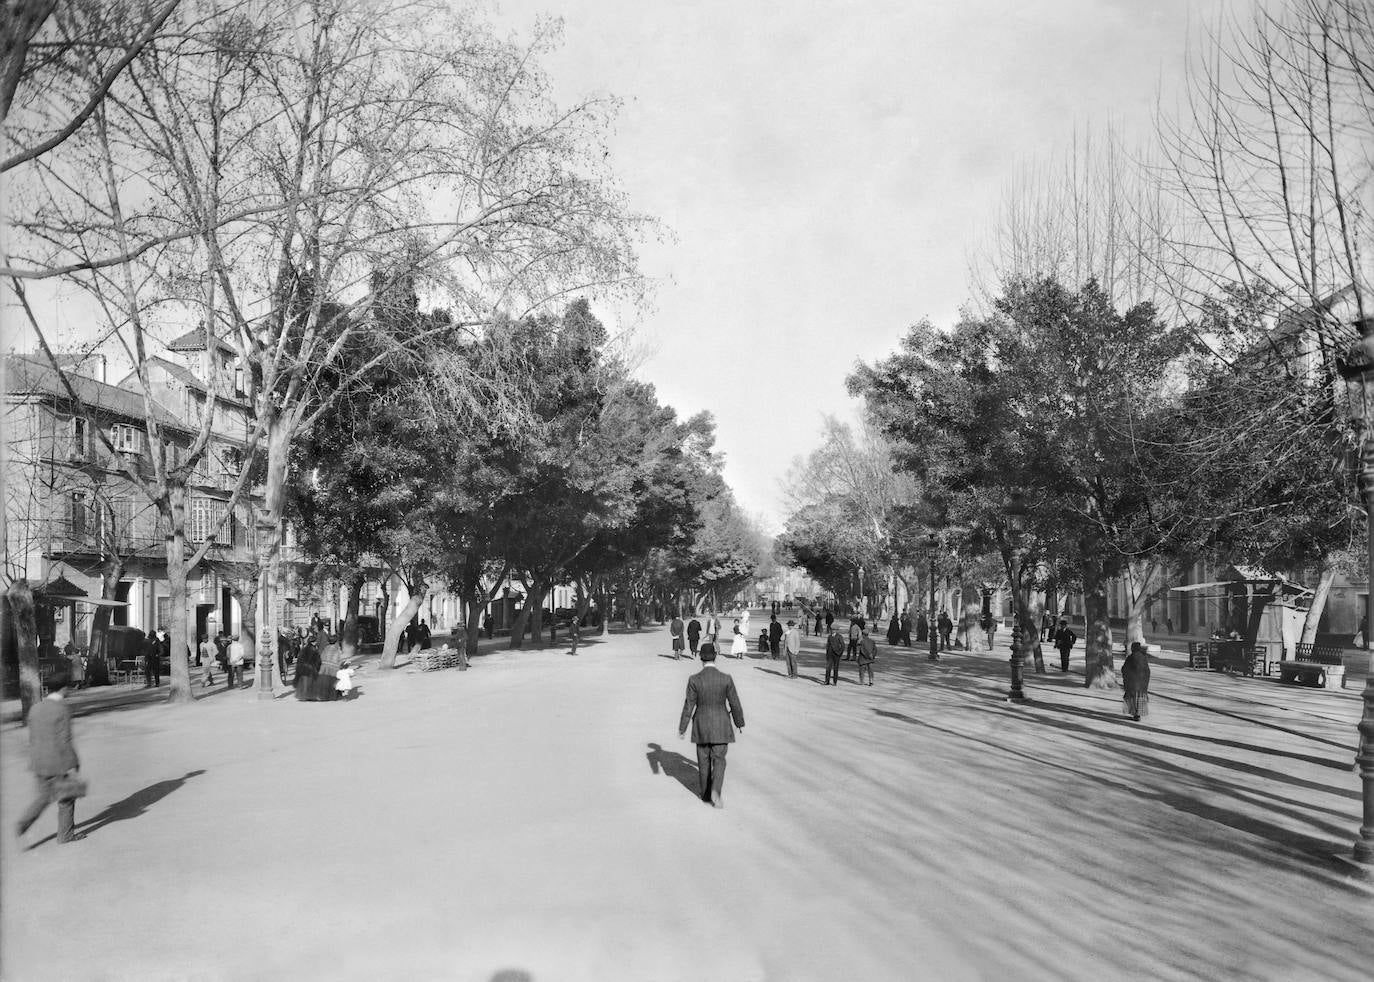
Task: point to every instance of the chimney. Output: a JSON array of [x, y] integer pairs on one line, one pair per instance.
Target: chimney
[[87, 365]]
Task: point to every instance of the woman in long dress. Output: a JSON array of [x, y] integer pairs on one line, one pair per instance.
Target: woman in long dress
[[330, 657], [744, 625], [307, 670], [1135, 678], [738, 646]]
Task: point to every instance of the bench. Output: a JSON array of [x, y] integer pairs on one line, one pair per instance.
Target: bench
[[1309, 664], [1228, 656]]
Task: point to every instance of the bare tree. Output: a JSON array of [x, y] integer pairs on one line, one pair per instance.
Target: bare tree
[[262, 162], [1270, 159]]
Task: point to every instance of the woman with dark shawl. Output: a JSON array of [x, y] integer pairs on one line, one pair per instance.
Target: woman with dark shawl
[[1135, 678], [307, 670], [330, 657], [894, 630]]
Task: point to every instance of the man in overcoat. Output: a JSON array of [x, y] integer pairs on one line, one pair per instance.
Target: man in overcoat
[[51, 757], [834, 650], [710, 706]]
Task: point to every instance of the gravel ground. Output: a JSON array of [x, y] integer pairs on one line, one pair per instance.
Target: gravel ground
[[535, 820]]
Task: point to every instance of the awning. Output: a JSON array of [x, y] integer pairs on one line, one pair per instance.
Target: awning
[[1291, 589], [98, 602], [59, 589]]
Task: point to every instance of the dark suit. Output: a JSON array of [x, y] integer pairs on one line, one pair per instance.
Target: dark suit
[[710, 705], [834, 648], [51, 755]]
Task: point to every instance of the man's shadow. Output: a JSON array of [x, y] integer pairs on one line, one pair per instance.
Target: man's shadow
[[676, 766], [136, 804]]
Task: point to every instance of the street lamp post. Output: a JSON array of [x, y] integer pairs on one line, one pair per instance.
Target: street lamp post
[[1357, 370], [1015, 514], [932, 546]]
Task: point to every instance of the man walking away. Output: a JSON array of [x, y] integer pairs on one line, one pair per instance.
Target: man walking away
[[152, 662], [946, 626], [1063, 640], [693, 636], [989, 627], [675, 630], [855, 629], [710, 705], [792, 643], [868, 654], [834, 649], [234, 669], [52, 758]]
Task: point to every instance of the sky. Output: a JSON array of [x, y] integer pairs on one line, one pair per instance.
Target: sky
[[827, 171]]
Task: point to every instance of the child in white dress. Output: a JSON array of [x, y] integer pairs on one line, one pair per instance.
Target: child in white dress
[[344, 685]]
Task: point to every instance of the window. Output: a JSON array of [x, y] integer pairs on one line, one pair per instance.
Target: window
[[77, 513], [206, 514], [126, 438], [231, 460], [239, 388], [78, 444]]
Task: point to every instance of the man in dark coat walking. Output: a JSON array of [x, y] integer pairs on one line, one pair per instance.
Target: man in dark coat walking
[[834, 651], [774, 636], [51, 757], [693, 636], [710, 705]]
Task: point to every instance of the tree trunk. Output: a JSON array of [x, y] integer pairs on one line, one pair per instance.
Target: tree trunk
[[178, 600], [348, 634], [534, 603], [278, 439], [100, 623], [517, 629], [248, 621], [417, 592], [1097, 629], [1138, 576], [26, 638], [1314, 612]]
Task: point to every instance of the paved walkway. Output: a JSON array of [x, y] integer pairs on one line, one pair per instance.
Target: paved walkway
[[537, 815]]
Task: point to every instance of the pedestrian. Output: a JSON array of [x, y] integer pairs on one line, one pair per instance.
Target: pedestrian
[[1135, 679], [574, 635], [330, 658], [1046, 626], [819, 620], [693, 636], [989, 626], [1063, 640], [834, 648], [710, 631], [283, 655], [343, 684], [234, 668], [868, 654], [738, 645], [906, 628], [675, 631], [774, 637], [946, 626], [77, 663], [792, 644], [922, 628], [152, 662], [710, 706], [53, 760], [307, 670], [855, 629], [207, 663], [488, 625], [894, 630], [423, 635]]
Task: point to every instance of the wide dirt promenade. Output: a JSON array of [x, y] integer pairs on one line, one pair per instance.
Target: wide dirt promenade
[[536, 819]]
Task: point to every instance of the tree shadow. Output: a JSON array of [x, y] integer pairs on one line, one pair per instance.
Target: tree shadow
[[135, 804], [676, 766]]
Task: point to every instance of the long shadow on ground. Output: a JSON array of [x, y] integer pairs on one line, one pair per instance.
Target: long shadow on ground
[[676, 766], [135, 804]]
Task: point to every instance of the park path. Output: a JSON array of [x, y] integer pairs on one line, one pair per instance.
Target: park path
[[537, 815]]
